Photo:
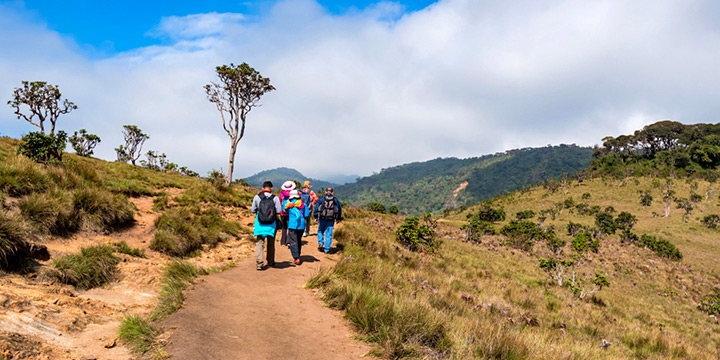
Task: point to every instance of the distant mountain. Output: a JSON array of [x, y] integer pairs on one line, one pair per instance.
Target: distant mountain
[[280, 175], [434, 185], [342, 179]]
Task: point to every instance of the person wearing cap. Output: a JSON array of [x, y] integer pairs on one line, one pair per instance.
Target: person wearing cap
[[285, 190], [297, 212], [265, 230], [327, 211], [309, 199]]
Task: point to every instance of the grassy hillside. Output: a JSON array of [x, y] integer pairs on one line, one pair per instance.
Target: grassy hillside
[[280, 175], [86, 194], [438, 184], [489, 300]]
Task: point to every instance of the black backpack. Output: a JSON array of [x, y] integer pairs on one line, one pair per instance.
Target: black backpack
[[328, 210], [266, 210]]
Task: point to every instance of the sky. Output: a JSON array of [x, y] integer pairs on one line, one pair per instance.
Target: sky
[[363, 86]]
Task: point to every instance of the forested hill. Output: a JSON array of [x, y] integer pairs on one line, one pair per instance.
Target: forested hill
[[434, 185], [280, 175]]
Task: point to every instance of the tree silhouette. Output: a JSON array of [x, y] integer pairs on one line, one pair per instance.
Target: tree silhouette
[[134, 140]]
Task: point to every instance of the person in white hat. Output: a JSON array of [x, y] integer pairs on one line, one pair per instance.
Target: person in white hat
[[284, 195], [297, 211]]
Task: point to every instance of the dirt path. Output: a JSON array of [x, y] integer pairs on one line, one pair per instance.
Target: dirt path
[[248, 314]]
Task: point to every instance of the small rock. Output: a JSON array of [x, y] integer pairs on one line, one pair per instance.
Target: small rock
[[604, 344], [56, 301], [111, 344]]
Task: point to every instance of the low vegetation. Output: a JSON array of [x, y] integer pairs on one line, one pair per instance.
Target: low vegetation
[[178, 275], [137, 333], [93, 267], [181, 231]]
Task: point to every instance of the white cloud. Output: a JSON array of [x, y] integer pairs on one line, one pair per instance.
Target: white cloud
[[374, 88]]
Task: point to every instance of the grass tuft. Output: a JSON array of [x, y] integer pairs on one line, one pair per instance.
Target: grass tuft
[[123, 248], [137, 333], [178, 275], [93, 267]]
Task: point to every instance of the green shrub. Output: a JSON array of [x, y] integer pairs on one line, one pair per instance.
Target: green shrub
[[525, 214], [83, 142], [629, 237], [584, 241], [137, 333], [376, 207], [605, 223], [694, 197], [490, 214], [43, 148], [568, 203], [554, 243], [625, 221], [661, 247], [475, 228], [586, 196], [393, 210], [181, 232], [646, 199], [103, 209], [123, 248], [94, 266], [522, 234], [711, 303], [574, 228], [416, 236], [711, 221]]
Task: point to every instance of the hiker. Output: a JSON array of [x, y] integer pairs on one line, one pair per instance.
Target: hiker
[[327, 211], [266, 207], [297, 212], [309, 199], [286, 188]]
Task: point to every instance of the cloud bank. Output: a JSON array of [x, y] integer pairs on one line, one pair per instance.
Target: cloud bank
[[369, 89]]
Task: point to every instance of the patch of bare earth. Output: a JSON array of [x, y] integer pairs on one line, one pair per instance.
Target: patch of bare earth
[[62, 322]]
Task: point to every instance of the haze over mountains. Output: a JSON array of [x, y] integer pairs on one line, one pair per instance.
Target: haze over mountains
[[434, 185]]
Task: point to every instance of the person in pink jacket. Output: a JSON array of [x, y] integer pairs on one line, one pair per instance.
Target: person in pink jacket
[[285, 190]]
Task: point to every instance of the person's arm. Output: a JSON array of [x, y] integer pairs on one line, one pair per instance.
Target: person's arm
[[278, 206], [255, 204], [317, 206], [339, 206]]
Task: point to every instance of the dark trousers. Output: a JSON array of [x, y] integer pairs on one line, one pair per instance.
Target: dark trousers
[[283, 238], [295, 242], [307, 225]]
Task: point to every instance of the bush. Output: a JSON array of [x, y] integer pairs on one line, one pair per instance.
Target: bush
[[625, 221], [83, 142], [180, 231], [489, 214], [646, 199], [94, 266], [20, 176], [586, 196], [137, 333], [525, 214], [711, 221], [475, 228], [711, 303], [376, 207], [584, 241], [43, 148], [605, 223], [393, 210], [694, 197], [628, 236], [522, 234], [661, 247], [574, 228], [103, 209], [51, 212], [416, 236]]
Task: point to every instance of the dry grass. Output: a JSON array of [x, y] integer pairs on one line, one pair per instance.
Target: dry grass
[[490, 301]]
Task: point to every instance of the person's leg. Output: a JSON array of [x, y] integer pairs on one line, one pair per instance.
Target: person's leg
[[270, 250], [283, 238], [307, 226], [259, 242], [293, 244], [321, 232], [328, 236]]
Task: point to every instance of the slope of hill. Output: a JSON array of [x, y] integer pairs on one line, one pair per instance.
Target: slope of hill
[[280, 175], [438, 184], [489, 298]]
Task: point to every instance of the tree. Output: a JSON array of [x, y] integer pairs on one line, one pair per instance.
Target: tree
[[83, 142], [43, 101], [238, 92], [134, 140]]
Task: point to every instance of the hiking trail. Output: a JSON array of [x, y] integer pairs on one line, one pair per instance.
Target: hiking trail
[[243, 313]]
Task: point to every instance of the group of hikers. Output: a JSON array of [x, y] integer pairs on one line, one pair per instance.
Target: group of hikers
[[290, 211]]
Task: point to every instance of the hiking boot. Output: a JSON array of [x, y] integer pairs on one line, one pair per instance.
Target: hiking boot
[[271, 264], [260, 268], [306, 234], [321, 248], [297, 262]]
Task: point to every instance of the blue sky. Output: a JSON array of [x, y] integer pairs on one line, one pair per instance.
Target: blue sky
[[385, 83], [106, 27]]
